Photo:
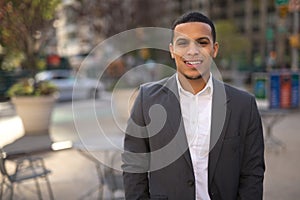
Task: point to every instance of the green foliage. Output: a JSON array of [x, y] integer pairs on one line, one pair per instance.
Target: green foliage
[[24, 26], [11, 61], [28, 87], [232, 43]]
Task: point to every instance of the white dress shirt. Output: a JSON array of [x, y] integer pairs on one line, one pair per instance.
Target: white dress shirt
[[196, 113]]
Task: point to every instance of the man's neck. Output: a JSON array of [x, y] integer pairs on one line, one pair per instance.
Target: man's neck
[[193, 86]]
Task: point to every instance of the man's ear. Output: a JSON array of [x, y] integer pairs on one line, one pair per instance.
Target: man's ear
[[216, 49], [171, 50]]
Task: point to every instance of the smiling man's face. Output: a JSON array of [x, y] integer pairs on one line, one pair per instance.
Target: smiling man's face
[[193, 49]]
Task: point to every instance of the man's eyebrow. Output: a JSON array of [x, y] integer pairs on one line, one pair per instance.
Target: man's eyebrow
[[202, 38], [181, 38], [187, 38]]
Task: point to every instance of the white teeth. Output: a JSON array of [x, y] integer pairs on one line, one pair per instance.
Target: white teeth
[[194, 62]]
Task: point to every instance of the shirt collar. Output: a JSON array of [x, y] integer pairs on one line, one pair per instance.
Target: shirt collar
[[207, 90]]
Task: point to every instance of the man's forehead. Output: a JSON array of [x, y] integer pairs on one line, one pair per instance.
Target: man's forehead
[[192, 30], [192, 25]]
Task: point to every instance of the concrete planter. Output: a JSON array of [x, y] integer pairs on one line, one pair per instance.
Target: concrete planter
[[35, 113]]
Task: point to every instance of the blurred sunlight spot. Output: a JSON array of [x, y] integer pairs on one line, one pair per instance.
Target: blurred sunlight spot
[[61, 145], [10, 130]]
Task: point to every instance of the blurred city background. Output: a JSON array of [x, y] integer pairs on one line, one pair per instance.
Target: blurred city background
[[254, 36], [53, 40]]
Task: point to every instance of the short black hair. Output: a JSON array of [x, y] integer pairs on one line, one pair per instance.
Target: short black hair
[[194, 16]]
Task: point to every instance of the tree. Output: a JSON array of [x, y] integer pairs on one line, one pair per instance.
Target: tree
[[107, 18], [233, 45], [24, 28]]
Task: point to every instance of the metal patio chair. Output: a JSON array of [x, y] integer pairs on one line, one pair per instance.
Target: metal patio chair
[[113, 178], [27, 168], [108, 177]]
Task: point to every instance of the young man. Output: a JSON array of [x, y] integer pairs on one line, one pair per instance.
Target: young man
[[190, 136]]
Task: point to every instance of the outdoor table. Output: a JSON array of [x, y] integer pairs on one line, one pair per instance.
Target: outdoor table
[[270, 117], [33, 144]]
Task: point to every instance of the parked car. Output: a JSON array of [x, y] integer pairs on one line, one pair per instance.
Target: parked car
[[71, 86]]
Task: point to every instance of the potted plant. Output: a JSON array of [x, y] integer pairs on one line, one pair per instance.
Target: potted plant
[[34, 104], [25, 29]]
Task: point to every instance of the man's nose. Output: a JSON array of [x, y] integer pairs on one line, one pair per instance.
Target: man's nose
[[193, 49]]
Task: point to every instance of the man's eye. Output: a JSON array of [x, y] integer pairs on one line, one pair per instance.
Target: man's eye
[[203, 43], [182, 43]]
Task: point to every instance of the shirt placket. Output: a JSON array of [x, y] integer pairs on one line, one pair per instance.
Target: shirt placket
[[194, 119]]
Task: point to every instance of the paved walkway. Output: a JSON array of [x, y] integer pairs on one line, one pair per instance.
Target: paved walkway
[[74, 174]]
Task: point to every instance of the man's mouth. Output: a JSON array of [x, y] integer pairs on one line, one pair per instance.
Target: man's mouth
[[193, 63]]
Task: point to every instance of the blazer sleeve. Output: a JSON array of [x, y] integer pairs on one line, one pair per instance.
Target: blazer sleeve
[[253, 165], [136, 154]]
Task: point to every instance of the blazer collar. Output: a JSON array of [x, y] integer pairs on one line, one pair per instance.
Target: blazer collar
[[171, 86]]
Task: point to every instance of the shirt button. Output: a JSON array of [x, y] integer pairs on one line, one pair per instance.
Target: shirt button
[[190, 183]]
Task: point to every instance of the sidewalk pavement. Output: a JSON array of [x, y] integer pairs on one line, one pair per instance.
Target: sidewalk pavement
[[74, 174]]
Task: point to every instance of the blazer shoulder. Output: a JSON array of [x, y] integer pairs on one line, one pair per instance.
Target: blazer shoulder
[[234, 92], [157, 87], [237, 91]]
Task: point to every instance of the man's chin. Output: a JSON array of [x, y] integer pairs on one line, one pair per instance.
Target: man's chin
[[195, 77]]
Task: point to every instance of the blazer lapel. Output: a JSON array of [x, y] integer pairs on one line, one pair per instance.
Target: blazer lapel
[[175, 117], [219, 123]]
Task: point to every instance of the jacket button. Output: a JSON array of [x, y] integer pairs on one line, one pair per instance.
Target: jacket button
[[190, 183]]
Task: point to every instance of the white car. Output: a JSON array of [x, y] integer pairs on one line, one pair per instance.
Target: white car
[[71, 86]]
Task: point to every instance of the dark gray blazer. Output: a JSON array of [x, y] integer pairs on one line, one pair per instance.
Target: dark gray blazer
[[161, 167]]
